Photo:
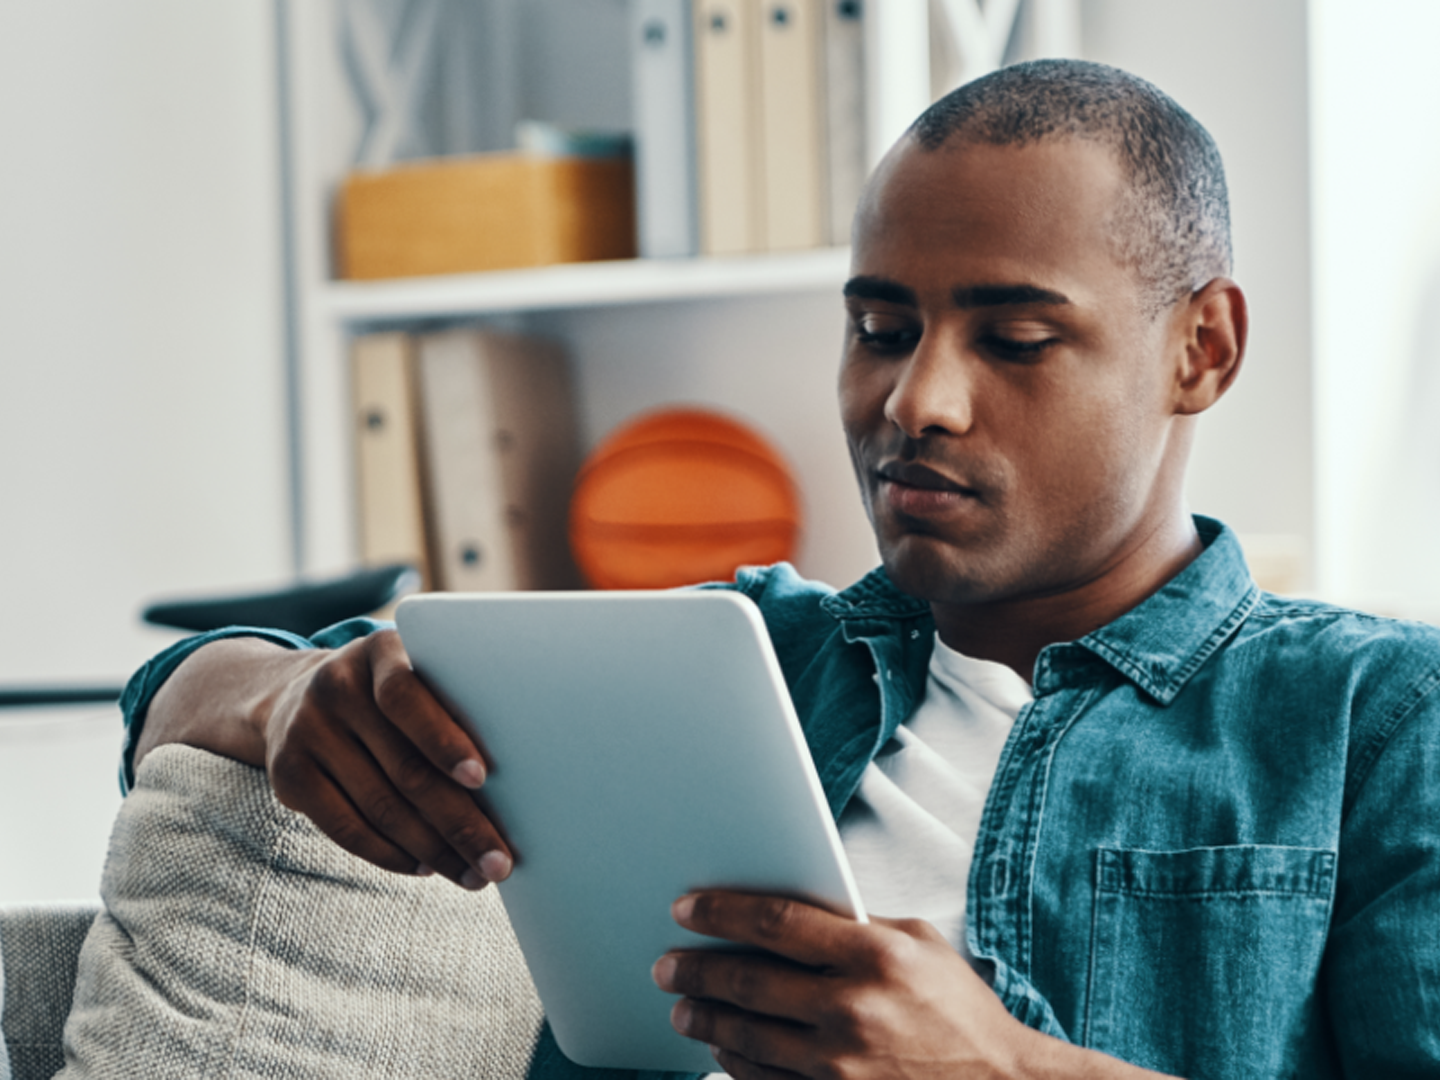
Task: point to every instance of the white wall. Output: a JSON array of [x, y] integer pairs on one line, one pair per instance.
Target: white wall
[[1375, 89], [142, 443], [141, 415], [58, 797], [1240, 68]]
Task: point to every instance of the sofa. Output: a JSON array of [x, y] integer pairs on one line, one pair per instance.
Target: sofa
[[235, 940]]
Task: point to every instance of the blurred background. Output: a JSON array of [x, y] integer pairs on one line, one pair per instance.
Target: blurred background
[[174, 405]]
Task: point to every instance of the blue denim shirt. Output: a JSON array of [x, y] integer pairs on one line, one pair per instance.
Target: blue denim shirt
[[1212, 845]]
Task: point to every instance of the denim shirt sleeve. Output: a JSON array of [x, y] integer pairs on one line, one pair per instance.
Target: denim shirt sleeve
[[1381, 977], [140, 691]]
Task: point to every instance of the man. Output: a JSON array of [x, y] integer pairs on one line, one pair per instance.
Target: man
[[1148, 814]]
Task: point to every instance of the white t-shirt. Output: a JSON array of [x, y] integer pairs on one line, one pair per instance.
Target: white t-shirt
[[910, 830]]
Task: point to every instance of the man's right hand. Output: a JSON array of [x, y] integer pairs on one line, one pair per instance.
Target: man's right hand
[[351, 738]]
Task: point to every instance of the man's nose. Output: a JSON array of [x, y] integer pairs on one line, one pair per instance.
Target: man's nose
[[934, 390]]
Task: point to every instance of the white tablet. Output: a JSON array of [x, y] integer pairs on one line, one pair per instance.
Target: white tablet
[[641, 745]]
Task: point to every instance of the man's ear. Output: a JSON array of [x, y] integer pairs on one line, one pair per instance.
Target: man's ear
[[1214, 324]]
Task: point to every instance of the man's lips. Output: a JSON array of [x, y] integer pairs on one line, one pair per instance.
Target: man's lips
[[917, 490], [914, 475]]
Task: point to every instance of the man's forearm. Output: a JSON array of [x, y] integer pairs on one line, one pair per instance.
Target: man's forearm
[[220, 698]]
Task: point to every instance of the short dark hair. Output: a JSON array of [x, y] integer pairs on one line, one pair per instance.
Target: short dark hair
[[1174, 229]]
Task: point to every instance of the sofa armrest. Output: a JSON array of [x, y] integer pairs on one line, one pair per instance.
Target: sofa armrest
[[39, 946], [237, 940]]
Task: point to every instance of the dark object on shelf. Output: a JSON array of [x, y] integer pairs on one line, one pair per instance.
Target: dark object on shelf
[[303, 608], [18, 697]]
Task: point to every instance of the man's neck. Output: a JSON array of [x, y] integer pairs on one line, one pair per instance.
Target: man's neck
[[1014, 631]]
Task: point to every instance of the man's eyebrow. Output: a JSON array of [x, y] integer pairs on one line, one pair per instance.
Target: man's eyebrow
[[978, 296], [865, 287], [876, 288]]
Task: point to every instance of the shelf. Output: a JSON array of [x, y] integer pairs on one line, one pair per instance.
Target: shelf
[[579, 285]]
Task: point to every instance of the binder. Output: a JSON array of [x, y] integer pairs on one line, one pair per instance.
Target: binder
[[792, 139], [845, 147], [500, 454], [727, 111], [387, 455], [662, 71]]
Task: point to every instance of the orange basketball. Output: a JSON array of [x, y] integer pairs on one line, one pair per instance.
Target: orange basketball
[[678, 497]]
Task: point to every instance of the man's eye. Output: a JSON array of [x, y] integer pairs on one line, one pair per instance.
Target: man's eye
[[883, 337], [1012, 349]]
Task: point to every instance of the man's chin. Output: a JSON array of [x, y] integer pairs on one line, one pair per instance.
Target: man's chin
[[941, 576]]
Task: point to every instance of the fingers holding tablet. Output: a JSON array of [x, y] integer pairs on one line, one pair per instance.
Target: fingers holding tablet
[[410, 706], [840, 997], [790, 928], [364, 749], [767, 1010]]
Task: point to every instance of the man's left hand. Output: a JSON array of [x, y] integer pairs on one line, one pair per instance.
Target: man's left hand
[[835, 998]]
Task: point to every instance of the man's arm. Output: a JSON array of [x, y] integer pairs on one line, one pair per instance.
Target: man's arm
[[350, 737], [890, 999]]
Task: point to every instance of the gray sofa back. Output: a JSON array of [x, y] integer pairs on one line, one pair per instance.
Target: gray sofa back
[[39, 946]]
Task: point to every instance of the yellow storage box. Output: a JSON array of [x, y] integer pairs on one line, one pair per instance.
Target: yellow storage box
[[485, 212]]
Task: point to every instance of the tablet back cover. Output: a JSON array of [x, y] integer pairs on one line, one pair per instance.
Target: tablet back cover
[[641, 745]]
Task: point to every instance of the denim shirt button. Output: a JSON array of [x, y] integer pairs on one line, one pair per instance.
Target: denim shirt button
[[999, 877]]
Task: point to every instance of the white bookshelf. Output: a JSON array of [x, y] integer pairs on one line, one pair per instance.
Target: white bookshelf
[[582, 285], [710, 331]]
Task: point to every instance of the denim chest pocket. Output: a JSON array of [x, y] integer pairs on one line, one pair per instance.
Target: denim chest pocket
[[1203, 962]]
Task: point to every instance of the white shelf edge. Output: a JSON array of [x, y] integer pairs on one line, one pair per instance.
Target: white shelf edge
[[578, 285]]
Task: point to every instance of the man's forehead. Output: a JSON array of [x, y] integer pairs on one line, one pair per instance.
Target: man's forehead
[[1040, 206], [961, 168]]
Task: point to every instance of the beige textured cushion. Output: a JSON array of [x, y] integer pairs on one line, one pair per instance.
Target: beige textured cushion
[[237, 941]]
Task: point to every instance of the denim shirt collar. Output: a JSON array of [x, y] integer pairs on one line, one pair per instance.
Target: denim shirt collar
[[1158, 645], [1161, 642], [874, 597]]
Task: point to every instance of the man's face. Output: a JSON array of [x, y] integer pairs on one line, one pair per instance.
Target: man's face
[[1007, 400]]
